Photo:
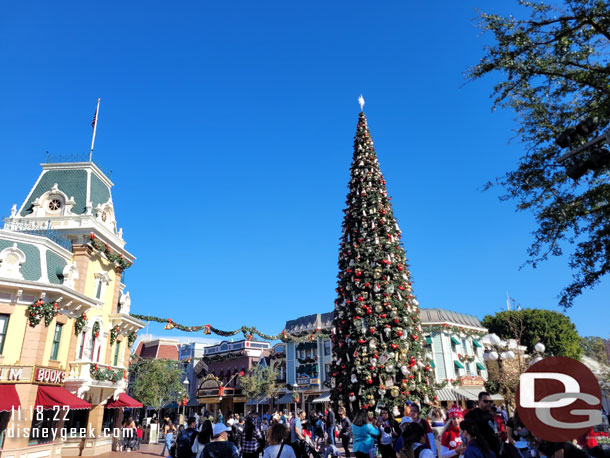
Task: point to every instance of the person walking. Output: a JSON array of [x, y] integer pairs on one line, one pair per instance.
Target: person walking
[[186, 439], [487, 428], [476, 445], [451, 440], [251, 439], [345, 431], [277, 443], [203, 438], [168, 430], [330, 425], [364, 434], [297, 439]]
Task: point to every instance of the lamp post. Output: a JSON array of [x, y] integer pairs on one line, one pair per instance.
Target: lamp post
[[185, 384], [295, 389]]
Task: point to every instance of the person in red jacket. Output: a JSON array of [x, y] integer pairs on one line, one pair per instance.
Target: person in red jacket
[[451, 441]]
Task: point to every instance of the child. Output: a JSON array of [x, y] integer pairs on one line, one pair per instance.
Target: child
[[331, 450], [139, 432]]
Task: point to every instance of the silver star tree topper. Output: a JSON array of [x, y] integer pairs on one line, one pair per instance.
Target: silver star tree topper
[[361, 102]]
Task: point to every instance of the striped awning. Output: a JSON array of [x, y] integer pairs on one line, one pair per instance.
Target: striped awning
[[286, 399], [450, 394], [257, 401], [325, 397]]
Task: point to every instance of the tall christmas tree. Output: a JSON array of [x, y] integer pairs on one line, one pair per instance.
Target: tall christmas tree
[[378, 350]]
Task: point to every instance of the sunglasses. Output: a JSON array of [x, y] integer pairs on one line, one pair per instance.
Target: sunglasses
[[486, 401]]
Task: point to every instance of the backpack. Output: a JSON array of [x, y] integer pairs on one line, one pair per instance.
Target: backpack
[[184, 444], [418, 450]]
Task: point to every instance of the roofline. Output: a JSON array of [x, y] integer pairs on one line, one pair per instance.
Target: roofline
[[459, 325], [29, 238], [78, 165], [52, 287]]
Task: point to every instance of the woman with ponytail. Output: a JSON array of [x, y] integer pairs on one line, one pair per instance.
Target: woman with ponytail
[[476, 445], [451, 441]]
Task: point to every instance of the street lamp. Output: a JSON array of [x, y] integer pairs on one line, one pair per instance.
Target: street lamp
[[185, 384], [295, 389]]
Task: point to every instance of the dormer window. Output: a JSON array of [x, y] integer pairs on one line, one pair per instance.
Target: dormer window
[[55, 205]]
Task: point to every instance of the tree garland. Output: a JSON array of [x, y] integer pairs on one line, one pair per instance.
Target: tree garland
[[80, 323], [446, 382], [248, 331], [114, 334], [39, 310], [110, 255], [107, 374]]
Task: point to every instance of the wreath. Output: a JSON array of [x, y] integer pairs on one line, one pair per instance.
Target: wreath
[[39, 310], [114, 334], [96, 329], [131, 338], [80, 323]]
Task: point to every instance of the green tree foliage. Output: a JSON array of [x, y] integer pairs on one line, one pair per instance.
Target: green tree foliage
[[157, 381], [594, 348], [554, 67], [553, 329], [260, 382], [378, 349]]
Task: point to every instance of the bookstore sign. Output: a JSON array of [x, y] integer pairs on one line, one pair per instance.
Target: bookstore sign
[[32, 374]]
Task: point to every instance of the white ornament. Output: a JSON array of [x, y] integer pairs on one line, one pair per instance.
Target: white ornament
[[354, 378], [539, 347]]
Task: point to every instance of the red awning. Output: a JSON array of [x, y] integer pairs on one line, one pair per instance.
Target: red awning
[[51, 396], [123, 401], [9, 399]]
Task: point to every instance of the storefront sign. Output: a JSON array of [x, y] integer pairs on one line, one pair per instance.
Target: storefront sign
[[50, 376], [16, 374], [314, 381], [471, 380], [239, 399], [209, 400], [303, 380]]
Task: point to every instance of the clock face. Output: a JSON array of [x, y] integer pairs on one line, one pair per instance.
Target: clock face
[[55, 205], [104, 216]]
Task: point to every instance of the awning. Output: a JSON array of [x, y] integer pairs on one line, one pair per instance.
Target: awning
[[324, 397], [458, 364], [432, 365], [57, 396], [450, 394], [480, 366], [429, 340], [9, 399], [469, 395], [257, 401], [286, 399], [476, 344], [454, 340], [193, 402], [473, 394], [123, 401]]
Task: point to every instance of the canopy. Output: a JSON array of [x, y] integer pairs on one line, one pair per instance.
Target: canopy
[[57, 396], [257, 401], [123, 401], [480, 366], [286, 399], [9, 399], [458, 364], [450, 394], [324, 397]]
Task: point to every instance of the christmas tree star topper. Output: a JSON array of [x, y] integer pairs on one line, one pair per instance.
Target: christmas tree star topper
[[361, 102]]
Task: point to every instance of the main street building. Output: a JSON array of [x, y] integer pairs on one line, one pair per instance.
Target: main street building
[[65, 327]]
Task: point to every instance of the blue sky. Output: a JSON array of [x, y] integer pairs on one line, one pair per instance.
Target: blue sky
[[229, 127]]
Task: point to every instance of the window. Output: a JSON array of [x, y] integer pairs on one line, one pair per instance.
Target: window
[[98, 292], [327, 348], [76, 419], [464, 347], [54, 205], [81, 348], [56, 340], [4, 419], [116, 353], [92, 346], [3, 328], [43, 424]]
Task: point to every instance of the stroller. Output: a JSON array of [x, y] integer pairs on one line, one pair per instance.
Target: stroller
[[310, 448]]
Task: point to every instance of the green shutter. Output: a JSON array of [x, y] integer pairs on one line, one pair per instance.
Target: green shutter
[[432, 365], [454, 340], [480, 366], [476, 344], [458, 364], [429, 340]]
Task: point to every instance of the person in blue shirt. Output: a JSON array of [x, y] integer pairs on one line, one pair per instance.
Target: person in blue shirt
[[476, 445], [364, 434], [297, 439]]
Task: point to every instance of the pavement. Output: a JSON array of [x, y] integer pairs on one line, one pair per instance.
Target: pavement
[[146, 450]]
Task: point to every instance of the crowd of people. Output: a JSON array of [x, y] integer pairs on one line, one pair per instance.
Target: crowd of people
[[482, 430]]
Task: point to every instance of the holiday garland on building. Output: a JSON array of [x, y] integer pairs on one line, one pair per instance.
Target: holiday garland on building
[[378, 351], [96, 329], [80, 323], [39, 310], [107, 374], [112, 256], [114, 334], [131, 338]]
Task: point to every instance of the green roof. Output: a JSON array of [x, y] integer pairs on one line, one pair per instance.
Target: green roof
[[458, 364], [73, 183], [31, 268], [99, 191], [55, 267]]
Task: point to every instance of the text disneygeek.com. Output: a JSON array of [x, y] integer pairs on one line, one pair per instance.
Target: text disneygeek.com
[[51, 434]]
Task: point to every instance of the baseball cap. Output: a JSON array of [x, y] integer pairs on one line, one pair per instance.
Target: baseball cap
[[220, 428], [405, 420]]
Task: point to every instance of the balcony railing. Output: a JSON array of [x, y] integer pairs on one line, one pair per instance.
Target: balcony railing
[[41, 230]]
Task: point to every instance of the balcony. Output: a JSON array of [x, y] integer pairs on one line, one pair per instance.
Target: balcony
[[82, 376]]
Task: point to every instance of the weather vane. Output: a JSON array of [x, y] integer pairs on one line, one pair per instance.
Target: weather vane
[[361, 102]]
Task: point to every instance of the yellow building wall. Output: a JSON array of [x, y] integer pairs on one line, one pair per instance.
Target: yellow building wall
[[64, 343], [14, 335]]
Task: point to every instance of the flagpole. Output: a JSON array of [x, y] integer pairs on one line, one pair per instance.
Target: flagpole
[[94, 129]]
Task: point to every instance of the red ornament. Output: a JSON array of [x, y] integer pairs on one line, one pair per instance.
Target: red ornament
[[400, 267], [394, 346], [415, 337], [370, 381], [399, 332]]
